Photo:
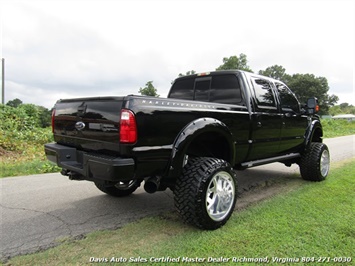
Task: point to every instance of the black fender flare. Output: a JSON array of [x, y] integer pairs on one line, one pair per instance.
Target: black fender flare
[[190, 132], [314, 126]]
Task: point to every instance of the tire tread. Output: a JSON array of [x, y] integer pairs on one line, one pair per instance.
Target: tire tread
[[188, 191], [310, 162]]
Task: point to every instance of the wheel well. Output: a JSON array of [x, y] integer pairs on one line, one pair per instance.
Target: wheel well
[[317, 135], [210, 144]]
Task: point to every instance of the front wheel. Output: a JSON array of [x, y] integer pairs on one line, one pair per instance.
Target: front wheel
[[205, 193], [120, 189], [315, 162]]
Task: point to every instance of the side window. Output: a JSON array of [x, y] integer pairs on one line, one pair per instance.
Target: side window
[[288, 100], [202, 89], [263, 93], [226, 89], [183, 89]]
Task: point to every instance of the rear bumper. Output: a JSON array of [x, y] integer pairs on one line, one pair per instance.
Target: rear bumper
[[90, 166]]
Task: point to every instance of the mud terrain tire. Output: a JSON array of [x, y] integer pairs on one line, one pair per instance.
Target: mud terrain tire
[[206, 192], [315, 162]]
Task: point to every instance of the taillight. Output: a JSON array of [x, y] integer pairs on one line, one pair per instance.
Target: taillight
[[128, 127], [53, 115]]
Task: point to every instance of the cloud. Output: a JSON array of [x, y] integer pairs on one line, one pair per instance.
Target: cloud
[[47, 58], [60, 48]]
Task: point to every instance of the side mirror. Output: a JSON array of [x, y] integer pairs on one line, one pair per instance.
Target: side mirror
[[312, 106]]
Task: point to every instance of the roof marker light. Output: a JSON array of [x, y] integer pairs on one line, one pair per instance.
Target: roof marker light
[[203, 74]]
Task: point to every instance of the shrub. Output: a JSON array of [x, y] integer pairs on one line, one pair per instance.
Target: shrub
[[21, 127]]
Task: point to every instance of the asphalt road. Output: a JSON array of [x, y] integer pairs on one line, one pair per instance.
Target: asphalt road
[[38, 211]]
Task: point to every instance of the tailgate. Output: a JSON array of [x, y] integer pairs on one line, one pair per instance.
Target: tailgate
[[90, 124]]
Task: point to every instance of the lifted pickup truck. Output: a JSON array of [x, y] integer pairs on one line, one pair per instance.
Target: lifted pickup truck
[[192, 142]]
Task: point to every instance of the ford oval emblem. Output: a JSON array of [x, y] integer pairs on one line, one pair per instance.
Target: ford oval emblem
[[79, 125]]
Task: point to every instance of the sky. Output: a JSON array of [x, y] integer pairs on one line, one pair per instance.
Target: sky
[[67, 49]]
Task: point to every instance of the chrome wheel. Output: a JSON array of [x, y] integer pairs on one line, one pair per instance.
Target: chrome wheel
[[324, 163], [205, 193], [220, 196], [315, 162]]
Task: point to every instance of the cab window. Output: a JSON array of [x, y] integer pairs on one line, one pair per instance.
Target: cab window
[[288, 100], [263, 93]]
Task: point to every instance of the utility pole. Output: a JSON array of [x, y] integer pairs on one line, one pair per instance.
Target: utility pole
[[3, 80]]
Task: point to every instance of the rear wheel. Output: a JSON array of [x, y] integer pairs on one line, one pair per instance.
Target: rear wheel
[[205, 193], [120, 189], [315, 162]]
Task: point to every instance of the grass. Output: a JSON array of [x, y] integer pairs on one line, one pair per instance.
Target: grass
[[314, 221], [22, 153], [36, 166], [337, 128]]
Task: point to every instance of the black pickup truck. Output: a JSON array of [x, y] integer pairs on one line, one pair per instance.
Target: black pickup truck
[[192, 142]]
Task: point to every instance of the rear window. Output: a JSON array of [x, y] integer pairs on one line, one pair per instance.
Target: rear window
[[183, 89], [219, 89], [202, 89]]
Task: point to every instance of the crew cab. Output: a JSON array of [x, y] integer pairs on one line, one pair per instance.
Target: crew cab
[[192, 142]]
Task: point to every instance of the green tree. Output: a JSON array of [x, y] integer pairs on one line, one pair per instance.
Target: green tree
[[16, 119], [33, 115], [235, 62], [343, 108], [45, 116], [149, 90], [307, 85], [188, 73], [335, 110], [275, 72], [14, 103]]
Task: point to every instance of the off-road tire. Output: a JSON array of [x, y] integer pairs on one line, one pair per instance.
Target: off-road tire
[[315, 161], [121, 189], [206, 192]]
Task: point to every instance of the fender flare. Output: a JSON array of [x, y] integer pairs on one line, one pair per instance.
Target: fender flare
[[190, 132], [314, 126]]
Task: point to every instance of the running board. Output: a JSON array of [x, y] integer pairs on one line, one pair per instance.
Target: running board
[[271, 160]]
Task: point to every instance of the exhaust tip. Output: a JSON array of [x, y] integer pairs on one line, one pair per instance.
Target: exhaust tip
[[152, 185]]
